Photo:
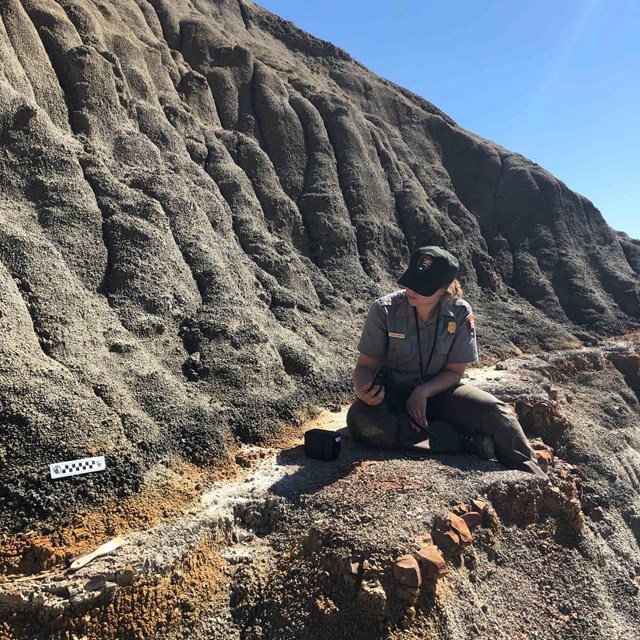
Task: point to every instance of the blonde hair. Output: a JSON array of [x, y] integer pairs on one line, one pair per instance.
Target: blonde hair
[[454, 290]]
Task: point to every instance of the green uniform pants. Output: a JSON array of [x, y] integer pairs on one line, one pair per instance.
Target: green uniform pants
[[464, 406]]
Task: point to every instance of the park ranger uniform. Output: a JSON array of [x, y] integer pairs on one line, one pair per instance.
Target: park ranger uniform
[[390, 335], [394, 334]]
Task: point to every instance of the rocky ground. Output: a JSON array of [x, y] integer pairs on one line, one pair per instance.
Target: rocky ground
[[289, 547]]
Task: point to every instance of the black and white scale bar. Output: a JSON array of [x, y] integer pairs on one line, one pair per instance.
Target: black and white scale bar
[[77, 467]]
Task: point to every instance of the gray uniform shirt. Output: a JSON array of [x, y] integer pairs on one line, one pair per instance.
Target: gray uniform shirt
[[389, 335]]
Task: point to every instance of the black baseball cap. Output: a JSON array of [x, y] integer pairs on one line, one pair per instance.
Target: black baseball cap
[[429, 269]]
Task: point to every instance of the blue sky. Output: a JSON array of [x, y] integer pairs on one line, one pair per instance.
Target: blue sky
[[557, 81]]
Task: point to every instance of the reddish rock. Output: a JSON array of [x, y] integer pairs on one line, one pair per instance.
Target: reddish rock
[[460, 527], [446, 539], [462, 509], [479, 505], [472, 519], [431, 562], [406, 571], [545, 458]]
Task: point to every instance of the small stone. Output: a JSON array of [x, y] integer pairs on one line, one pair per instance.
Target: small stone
[[431, 562], [374, 595], [479, 505], [544, 457], [125, 576], [460, 527], [95, 583], [472, 519], [406, 571], [57, 590], [449, 540]]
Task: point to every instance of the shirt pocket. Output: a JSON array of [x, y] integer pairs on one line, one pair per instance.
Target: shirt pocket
[[402, 353]]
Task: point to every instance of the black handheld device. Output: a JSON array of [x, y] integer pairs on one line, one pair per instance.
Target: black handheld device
[[380, 378]]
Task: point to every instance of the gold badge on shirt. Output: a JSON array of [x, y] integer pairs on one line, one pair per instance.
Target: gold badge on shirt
[[451, 327]]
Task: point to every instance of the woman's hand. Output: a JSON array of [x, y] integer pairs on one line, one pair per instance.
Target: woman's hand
[[417, 408], [363, 376], [370, 394]]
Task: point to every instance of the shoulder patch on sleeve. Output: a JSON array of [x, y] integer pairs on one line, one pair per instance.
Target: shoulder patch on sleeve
[[471, 322]]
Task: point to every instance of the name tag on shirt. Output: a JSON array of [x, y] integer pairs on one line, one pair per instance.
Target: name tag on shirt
[[401, 336]]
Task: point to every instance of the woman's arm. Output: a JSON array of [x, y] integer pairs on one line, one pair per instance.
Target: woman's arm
[[417, 402], [448, 377], [363, 376]]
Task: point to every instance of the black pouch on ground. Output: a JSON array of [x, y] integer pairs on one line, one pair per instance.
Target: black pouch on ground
[[322, 444]]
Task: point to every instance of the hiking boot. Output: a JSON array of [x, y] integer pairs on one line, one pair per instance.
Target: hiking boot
[[478, 444]]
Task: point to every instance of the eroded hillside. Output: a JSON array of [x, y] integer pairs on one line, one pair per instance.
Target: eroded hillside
[[198, 203]]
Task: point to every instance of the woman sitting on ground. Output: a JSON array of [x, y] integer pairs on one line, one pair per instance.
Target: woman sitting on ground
[[413, 351]]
